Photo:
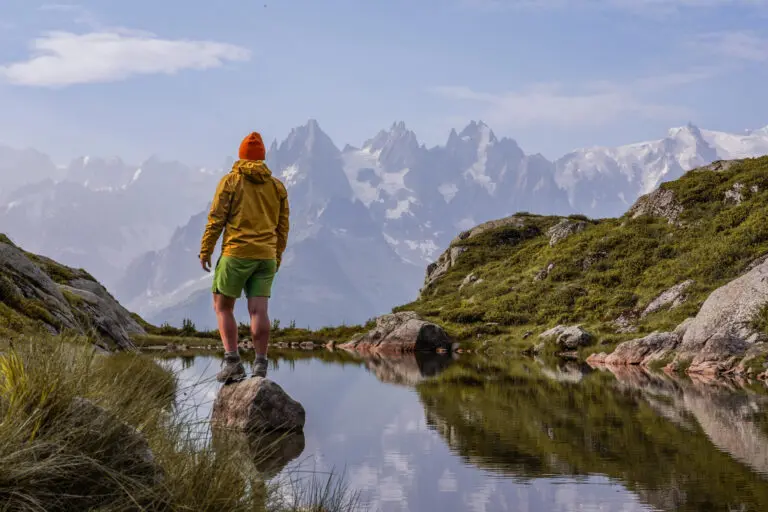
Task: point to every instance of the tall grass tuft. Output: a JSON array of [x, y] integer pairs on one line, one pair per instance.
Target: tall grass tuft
[[84, 431]]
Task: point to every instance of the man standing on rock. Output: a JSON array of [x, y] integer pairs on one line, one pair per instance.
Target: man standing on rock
[[251, 208]]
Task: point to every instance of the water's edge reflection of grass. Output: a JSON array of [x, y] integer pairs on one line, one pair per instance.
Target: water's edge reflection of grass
[[679, 444]]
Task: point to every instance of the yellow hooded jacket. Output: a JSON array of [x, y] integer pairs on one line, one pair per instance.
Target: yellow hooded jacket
[[251, 207]]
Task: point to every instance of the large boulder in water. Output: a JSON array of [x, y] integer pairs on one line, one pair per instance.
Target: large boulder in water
[[267, 453], [401, 332], [257, 405]]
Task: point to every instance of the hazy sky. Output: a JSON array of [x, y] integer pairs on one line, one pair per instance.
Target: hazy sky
[[187, 79]]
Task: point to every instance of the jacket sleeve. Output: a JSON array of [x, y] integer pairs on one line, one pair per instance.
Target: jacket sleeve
[[217, 218], [283, 226]]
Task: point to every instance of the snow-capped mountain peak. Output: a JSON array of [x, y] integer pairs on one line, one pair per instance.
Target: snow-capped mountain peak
[[395, 148], [310, 166], [689, 147], [479, 132]]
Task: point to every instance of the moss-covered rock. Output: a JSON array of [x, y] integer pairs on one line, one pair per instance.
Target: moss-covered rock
[[37, 293]]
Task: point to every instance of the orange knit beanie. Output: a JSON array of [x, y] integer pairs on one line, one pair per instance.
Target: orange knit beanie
[[252, 147]]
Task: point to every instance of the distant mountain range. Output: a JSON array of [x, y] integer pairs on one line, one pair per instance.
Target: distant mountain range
[[365, 220]]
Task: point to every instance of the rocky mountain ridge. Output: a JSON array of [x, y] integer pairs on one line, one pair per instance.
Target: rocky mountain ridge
[[680, 277], [392, 193]]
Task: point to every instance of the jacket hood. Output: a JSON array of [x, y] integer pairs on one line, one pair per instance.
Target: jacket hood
[[255, 171]]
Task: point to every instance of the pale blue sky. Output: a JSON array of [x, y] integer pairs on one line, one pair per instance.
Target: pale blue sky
[[93, 77]]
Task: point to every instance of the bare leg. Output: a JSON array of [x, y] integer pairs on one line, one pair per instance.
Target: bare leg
[[258, 309], [225, 314]]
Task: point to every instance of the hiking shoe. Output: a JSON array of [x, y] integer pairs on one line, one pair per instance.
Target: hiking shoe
[[260, 368], [231, 372]]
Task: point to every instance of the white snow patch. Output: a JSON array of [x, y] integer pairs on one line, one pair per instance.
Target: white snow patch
[[478, 170], [448, 190], [290, 175], [136, 175], [731, 146], [389, 183], [403, 206]]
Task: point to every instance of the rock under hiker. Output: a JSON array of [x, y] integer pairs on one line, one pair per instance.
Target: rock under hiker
[[251, 208]]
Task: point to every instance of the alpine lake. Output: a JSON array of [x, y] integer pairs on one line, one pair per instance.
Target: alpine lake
[[455, 433]]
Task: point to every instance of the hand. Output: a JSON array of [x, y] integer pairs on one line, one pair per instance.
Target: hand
[[205, 261]]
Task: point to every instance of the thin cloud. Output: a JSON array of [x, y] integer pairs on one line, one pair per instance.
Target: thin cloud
[[594, 104], [744, 45], [62, 58], [650, 7], [80, 14]]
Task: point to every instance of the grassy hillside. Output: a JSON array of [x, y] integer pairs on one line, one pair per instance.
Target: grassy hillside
[[612, 267]]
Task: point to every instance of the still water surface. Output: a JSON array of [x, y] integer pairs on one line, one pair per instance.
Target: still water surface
[[437, 434]]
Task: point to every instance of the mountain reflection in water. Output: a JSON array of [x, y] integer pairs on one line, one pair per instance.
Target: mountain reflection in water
[[424, 433]]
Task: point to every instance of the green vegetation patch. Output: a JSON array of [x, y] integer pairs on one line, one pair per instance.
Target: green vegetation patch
[[64, 444], [761, 321], [613, 267], [5, 240], [60, 274], [29, 308]]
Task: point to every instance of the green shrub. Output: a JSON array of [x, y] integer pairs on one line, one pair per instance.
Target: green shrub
[[760, 323], [4, 239], [465, 315]]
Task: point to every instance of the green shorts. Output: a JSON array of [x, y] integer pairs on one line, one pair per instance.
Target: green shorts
[[233, 275]]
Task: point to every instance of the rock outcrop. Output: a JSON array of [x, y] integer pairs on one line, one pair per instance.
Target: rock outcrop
[[448, 259], [719, 165], [257, 405], [721, 338], [735, 195], [568, 337], [470, 279], [512, 220], [62, 298], [444, 263], [642, 351], [544, 273], [723, 330], [670, 299], [564, 229], [401, 332], [659, 203]]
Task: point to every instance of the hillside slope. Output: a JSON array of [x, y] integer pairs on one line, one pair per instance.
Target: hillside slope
[[38, 293], [511, 279]]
